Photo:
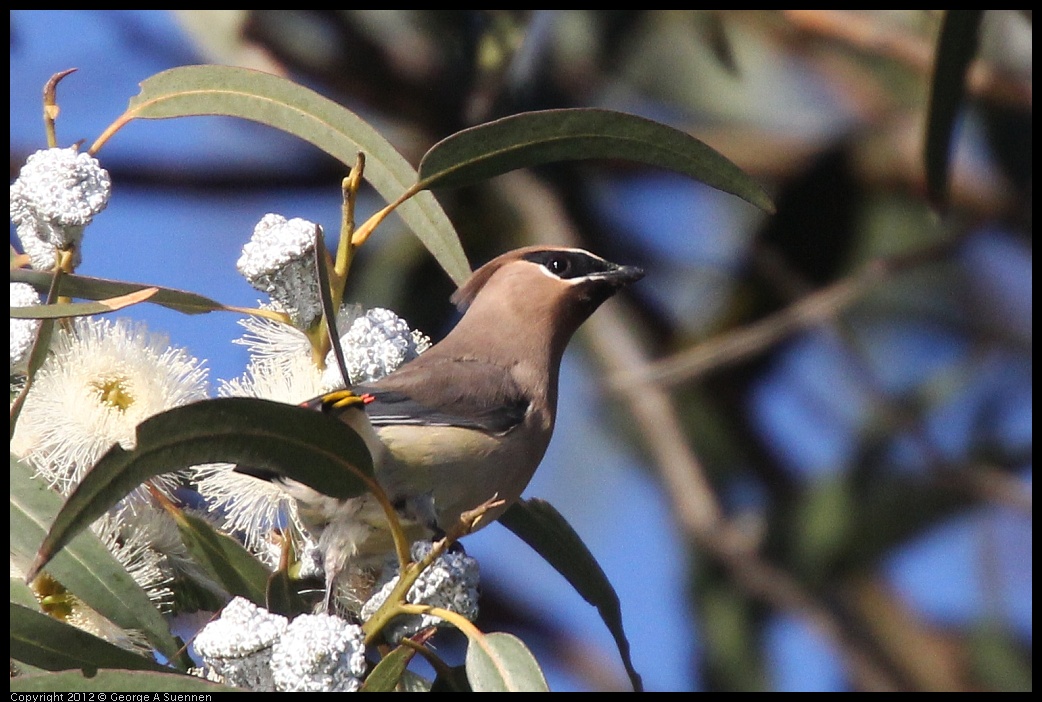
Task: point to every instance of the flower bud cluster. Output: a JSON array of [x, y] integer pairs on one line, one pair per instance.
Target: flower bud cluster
[[56, 195], [451, 583], [279, 259], [252, 648]]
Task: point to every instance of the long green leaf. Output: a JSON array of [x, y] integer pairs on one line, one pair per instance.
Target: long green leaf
[[534, 138], [109, 681], [389, 671], [224, 559], [543, 528], [956, 47], [82, 309], [292, 108], [500, 662], [86, 568], [47, 643], [310, 447], [100, 289]]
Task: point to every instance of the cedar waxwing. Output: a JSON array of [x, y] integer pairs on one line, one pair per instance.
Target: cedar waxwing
[[470, 418]]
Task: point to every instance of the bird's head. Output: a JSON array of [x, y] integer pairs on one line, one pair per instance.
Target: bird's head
[[543, 288]]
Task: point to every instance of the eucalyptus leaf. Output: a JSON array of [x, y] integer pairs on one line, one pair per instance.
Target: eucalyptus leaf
[[310, 447], [500, 662], [386, 675], [47, 643], [109, 681], [535, 138], [224, 559], [956, 48], [543, 528], [85, 567], [82, 309], [87, 288], [328, 305], [292, 108]]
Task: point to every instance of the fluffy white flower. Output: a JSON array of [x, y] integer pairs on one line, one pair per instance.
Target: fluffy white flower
[[134, 548], [279, 346], [279, 260], [451, 583], [99, 382], [319, 653], [23, 331]]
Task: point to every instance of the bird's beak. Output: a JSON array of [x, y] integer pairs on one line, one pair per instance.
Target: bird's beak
[[624, 275]]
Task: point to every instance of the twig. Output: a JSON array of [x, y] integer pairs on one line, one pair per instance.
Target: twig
[[733, 347]]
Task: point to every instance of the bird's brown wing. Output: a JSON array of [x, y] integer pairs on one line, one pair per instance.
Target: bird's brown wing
[[406, 396]]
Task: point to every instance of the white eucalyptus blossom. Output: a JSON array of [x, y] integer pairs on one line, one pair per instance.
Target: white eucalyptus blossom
[[279, 259], [23, 331], [319, 653], [99, 382], [451, 583], [134, 548], [280, 347], [56, 195]]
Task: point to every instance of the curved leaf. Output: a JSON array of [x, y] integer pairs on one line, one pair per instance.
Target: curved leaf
[[956, 47], [223, 558], [292, 108], [310, 447], [99, 289], [47, 643], [82, 309], [109, 681], [499, 662], [534, 138], [543, 528], [386, 675], [85, 567]]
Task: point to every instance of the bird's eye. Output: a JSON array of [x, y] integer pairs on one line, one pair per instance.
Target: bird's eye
[[559, 265]]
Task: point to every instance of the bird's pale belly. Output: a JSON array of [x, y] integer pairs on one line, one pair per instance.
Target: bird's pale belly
[[440, 464]]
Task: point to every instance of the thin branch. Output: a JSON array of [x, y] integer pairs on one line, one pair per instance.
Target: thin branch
[[733, 347]]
